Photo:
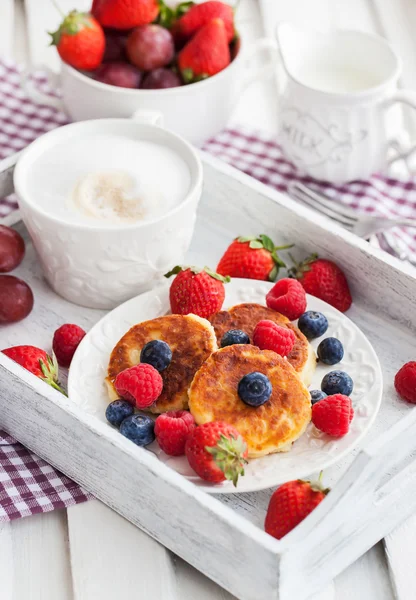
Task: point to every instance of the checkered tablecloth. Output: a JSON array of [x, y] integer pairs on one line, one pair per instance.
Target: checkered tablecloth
[[28, 485]]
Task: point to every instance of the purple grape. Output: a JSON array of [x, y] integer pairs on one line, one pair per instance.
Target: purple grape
[[159, 79], [150, 47], [119, 74], [115, 46]]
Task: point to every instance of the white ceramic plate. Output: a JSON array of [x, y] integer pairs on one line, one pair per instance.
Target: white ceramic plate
[[311, 453]]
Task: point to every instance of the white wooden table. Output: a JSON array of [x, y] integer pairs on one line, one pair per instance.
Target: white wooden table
[[88, 552]]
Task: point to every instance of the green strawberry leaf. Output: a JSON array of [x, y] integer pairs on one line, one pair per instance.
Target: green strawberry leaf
[[274, 273], [173, 271], [256, 245], [242, 239], [217, 276], [228, 456], [188, 75], [183, 8], [267, 242], [166, 16]]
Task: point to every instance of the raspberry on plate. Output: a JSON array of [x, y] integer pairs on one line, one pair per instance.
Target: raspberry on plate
[[172, 429], [66, 340], [405, 382], [333, 415], [141, 385], [270, 336], [287, 297]]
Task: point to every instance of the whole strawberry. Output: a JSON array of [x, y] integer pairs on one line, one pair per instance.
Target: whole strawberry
[[37, 362], [323, 279], [66, 340], [252, 258], [201, 14], [206, 54], [290, 504], [197, 291], [216, 452], [405, 382], [287, 297], [125, 14], [333, 415], [80, 41]]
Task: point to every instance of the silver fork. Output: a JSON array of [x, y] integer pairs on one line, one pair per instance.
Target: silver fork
[[362, 225]]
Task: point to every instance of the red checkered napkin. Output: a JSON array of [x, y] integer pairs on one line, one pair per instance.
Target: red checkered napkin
[[28, 485]]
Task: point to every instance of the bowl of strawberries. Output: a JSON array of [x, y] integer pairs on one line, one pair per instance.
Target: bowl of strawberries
[[185, 62]]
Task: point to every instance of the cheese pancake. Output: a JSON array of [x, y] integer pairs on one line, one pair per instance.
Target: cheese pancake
[[272, 427], [246, 317], [191, 339]]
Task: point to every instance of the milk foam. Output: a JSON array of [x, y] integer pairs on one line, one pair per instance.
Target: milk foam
[[109, 180]]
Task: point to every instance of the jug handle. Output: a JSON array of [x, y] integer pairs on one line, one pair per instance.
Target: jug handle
[[408, 98], [269, 69]]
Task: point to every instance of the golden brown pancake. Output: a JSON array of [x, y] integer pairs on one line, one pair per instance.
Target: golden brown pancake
[[246, 317], [272, 427], [191, 339]]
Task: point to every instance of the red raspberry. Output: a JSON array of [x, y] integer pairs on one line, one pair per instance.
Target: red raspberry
[[333, 415], [66, 340], [172, 430], [270, 336], [141, 385], [405, 382], [287, 297]]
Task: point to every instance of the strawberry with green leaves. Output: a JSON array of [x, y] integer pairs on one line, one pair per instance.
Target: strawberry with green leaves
[[216, 452], [197, 291], [199, 15], [206, 54], [290, 504], [323, 279], [80, 41], [252, 258], [37, 362]]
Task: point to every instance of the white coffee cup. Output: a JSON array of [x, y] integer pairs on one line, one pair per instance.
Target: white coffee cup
[[96, 265], [339, 110], [197, 111]]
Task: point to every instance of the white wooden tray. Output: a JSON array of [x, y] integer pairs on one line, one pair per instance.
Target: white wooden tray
[[223, 536]]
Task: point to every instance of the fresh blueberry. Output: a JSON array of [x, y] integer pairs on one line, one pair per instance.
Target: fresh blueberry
[[337, 382], [117, 411], [313, 324], [330, 351], [317, 395], [156, 353], [139, 429], [234, 336], [254, 389]]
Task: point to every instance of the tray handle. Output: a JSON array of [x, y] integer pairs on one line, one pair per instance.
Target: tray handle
[[370, 500]]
